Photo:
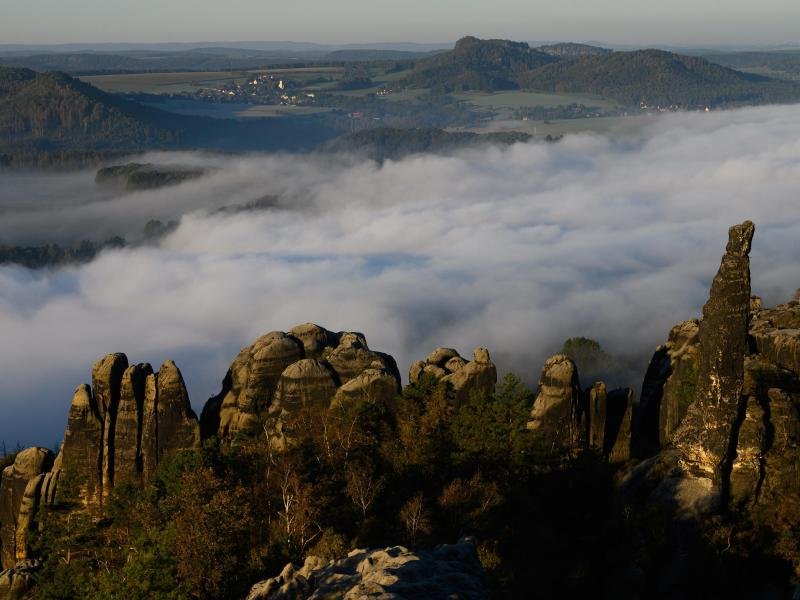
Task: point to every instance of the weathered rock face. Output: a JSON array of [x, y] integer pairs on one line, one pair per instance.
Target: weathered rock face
[[177, 423], [120, 435], [375, 385], [308, 383], [449, 571], [669, 388], [83, 442], [128, 437], [17, 581], [617, 438], [20, 487], [557, 412], [478, 376], [281, 372], [710, 425]]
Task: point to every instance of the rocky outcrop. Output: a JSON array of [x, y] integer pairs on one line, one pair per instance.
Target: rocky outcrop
[[478, 376], [449, 571], [695, 473], [281, 371], [557, 408], [668, 389], [17, 581], [20, 487], [120, 428], [707, 436]]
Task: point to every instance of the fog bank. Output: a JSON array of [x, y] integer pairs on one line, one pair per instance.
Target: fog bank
[[514, 249]]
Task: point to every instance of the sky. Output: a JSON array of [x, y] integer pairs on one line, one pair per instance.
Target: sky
[[517, 249], [688, 22]]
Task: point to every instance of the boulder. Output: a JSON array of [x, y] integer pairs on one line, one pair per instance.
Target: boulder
[[449, 571], [16, 582], [352, 356]]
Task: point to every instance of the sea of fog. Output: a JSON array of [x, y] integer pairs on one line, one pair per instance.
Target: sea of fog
[[515, 249]]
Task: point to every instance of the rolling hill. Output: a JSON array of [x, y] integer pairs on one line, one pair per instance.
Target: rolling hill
[[53, 116], [660, 78]]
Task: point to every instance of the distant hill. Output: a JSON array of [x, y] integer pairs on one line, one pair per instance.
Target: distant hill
[[572, 50], [475, 64], [363, 55], [654, 77], [660, 78], [394, 143], [44, 115]]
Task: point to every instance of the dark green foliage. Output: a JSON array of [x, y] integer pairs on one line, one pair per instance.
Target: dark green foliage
[[136, 176], [658, 78], [53, 255], [391, 143]]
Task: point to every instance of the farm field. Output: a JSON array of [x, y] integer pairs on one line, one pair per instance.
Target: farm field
[[234, 110], [174, 82]]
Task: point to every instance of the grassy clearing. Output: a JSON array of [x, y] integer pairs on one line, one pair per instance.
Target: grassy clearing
[[516, 99]]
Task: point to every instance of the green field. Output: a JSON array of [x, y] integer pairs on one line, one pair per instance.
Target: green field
[[232, 110], [516, 99], [175, 82]]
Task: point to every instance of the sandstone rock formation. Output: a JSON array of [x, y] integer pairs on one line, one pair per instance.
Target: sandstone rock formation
[[707, 437], [20, 487], [17, 581], [668, 389], [449, 571], [119, 429], [281, 372], [557, 408], [478, 376]]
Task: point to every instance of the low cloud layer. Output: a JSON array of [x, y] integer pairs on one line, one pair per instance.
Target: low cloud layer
[[516, 249]]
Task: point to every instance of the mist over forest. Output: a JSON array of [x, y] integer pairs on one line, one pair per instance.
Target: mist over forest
[[516, 249]]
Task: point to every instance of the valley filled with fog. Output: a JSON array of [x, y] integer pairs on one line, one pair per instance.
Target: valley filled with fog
[[515, 249]]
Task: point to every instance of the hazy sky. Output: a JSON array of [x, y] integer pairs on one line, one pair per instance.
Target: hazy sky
[[613, 21]]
